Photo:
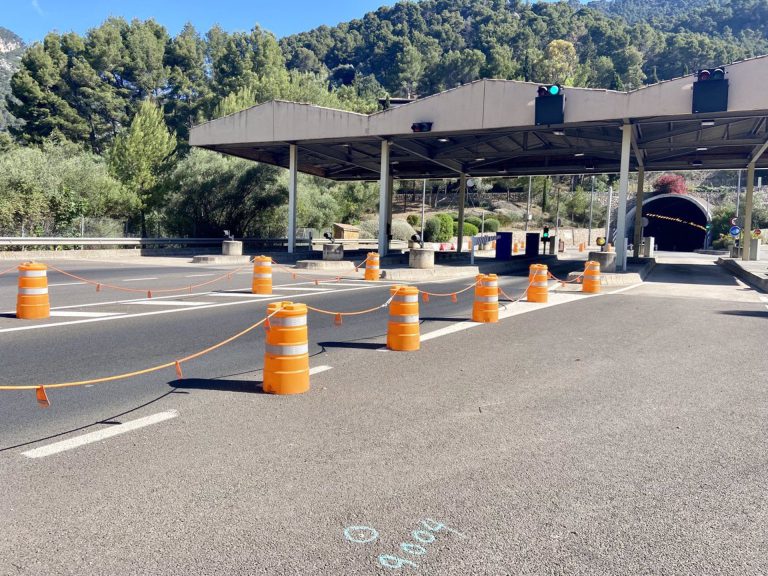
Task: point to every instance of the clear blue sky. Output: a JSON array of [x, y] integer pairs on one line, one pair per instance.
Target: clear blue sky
[[32, 19]]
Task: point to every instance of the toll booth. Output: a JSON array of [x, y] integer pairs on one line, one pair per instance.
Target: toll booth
[[532, 244], [503, 245]]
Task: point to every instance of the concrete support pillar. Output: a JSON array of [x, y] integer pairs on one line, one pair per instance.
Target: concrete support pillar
[[293, 166], [384, 198], [639, 212], [747, 228], [462, 201], [621, 217], [391, 205]]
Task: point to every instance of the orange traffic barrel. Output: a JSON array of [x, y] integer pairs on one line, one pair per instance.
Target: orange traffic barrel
[[403, 325], [286, 353], [262, 275], [32, 301], [581, 247], [537, 288], [486, 305], [515, 248], [372, 271], [591, 277]]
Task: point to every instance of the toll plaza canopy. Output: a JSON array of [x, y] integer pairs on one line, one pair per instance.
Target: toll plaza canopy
[[489, 128]]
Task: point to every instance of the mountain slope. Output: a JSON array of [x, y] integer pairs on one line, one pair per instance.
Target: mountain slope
[[11, 49]]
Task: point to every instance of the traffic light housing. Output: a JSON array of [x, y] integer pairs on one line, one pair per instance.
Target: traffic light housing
[[550, 104], [421, 127], [710, 91], [545, 233]]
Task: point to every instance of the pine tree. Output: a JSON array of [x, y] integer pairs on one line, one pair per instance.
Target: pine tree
[[139, 153]]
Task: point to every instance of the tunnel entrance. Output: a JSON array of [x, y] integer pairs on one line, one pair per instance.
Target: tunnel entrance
[[677, 222]]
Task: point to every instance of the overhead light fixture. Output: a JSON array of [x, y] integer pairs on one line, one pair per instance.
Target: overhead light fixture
[[504, 171], [394, 162], [579, 154], [696, 163], [479, 159], [589, 166], [443, 140], [702, 149], [707, 122], [558, 132]]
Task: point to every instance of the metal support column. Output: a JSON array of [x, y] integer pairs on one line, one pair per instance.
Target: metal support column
[[621, 217], [639, 213], [384, 179], [746, 231], [390, 206], [462, 201], [293, 166]]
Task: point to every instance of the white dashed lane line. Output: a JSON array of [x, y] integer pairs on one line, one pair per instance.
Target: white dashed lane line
[[99, 435], [139, 279]]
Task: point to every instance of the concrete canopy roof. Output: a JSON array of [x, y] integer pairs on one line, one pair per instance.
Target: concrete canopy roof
[[487, 128]]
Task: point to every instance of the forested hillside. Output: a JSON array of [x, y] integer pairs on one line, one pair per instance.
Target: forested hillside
[[111, 109]]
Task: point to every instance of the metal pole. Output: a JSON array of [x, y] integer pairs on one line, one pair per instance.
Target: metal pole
[[608, 216], [591, 203], [384, 176], [482, 222], [621, 215], [528, 208], [745, 230], [423, 202], [293, 163], [462, 201], [738, 194]]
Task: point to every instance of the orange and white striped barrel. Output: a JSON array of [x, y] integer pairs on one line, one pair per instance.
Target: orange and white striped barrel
[[372, 271], [515, 248], [486, 305], [262, 275], [591, 277], [32, 301], [403, 325], [537, 278], [286, 353]]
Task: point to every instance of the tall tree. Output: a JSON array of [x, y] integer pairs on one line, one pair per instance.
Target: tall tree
[[139, 153]]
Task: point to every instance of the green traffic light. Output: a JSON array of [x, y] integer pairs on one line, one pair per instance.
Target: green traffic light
[[554, 90]]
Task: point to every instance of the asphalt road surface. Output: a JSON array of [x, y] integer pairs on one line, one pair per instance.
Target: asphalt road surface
[[620, 433]]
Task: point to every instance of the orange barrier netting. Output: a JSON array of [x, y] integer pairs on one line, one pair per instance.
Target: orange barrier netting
[[294, 274], [100, 285], [338, 315], [453, 295], [11, 269], [175, 363], [512, 300], [358, 266]]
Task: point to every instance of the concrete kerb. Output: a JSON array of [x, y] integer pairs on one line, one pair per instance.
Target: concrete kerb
[[755, 279], [637, 271]]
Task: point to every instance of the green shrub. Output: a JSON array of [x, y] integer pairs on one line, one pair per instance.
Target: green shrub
[[369, 229], [446, 228], [474, 220], [432, 229], [402, 230], [492, 225], [469, 229], [723, 243], [413, 219]]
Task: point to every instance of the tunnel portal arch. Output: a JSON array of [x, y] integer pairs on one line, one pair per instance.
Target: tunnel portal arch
[[678, 222]]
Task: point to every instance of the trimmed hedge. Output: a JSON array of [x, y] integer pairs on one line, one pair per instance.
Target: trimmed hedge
[[469, 229], [446, 228], [432, 229], [413, 219]]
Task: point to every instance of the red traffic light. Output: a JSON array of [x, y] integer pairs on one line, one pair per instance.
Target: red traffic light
[[421, 127], [711, 74]]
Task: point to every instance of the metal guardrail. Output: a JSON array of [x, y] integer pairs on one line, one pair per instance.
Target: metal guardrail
[[19, 241]]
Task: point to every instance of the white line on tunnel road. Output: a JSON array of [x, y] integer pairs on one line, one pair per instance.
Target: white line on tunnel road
[[140, 279], [99, 435], [198, 275], [319, 369]]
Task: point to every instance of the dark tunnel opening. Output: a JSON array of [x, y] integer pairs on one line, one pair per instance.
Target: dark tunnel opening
[[676, 222]]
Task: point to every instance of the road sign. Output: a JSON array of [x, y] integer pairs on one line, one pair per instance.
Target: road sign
[[735, 230], [756, 233], [734, 221]]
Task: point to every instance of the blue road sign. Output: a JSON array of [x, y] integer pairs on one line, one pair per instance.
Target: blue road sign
[[735, 230]]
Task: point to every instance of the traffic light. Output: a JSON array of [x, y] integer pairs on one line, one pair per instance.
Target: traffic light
[[710, 91], [545, 233], [549, 104], [421, 127]]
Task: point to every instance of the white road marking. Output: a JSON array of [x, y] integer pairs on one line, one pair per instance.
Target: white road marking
[[66, 284], [99, 435], [171, 303], [243, 294], [303, 288], [198, 275], [140, 279], [319, 369], [764, 298], [175, 310], [76, 314], [458, 327]]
